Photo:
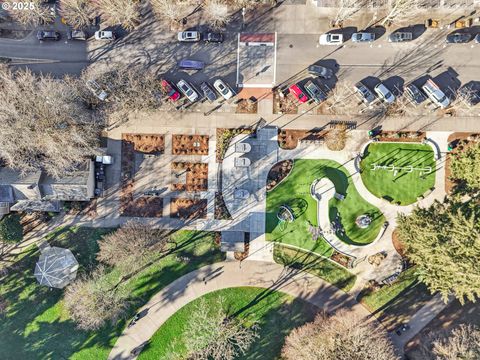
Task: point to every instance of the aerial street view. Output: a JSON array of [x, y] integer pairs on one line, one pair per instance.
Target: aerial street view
[[240, 179]]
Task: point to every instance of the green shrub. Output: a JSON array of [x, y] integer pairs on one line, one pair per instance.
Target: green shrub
[[11, 230]]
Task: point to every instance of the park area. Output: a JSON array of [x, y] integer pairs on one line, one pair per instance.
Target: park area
[[294, 193], [274, 313], [36, 325], [397, 172]]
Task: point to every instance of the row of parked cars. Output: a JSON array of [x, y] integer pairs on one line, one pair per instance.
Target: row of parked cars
[[188, 90], [43, 35], [395, 37]]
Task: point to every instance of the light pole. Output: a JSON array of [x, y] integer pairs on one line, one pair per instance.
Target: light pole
[[244, 11]]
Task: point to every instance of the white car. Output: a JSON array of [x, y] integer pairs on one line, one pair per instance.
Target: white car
[[104, 35], [188, 36], [384, 94], [436, 95], [223, 89], [331, 39], [187, 90]]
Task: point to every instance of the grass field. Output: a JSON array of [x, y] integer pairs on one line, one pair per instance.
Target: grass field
[[274, 312], [404, 187], [323, 268], [294, 191], [36, 325]]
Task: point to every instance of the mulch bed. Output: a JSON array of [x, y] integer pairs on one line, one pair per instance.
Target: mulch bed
[[401, 136], [284, 105], [247, 106], [196, 176], [278, 172], [146, 143], [240, 256], [221, 211], [188, 209], [144, 206], [190, 144], [397, 244], [288, 139], [88, 208], [224, 137], [340, 259]]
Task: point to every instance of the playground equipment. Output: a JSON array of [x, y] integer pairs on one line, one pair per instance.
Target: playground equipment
[[285, 216], [396, 169], [363, 221]]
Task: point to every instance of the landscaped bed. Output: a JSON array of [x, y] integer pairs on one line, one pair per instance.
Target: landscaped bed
[[275, 313], [36, 324], [190, 176], [410, 178], [294, 192], [190, 144], [188, 209]]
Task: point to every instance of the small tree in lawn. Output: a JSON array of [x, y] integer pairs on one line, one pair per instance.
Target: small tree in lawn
[[212, 334], [216, 13], [77, 13], [345, 335], [119, 12], [462, 343], [92, 302], [33, 12], [465, 166]]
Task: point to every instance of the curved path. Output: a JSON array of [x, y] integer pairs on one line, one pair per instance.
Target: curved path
[[271, 276]]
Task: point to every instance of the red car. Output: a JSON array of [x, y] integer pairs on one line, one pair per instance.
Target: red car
[[173, 94], [295, 90]]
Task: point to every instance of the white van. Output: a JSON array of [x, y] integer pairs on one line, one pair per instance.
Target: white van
[[436, 95]]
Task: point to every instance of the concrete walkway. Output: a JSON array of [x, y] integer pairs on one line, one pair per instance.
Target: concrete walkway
[[271, 276]]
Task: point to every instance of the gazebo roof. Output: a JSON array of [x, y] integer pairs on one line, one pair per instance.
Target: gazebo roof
[[56, 267]]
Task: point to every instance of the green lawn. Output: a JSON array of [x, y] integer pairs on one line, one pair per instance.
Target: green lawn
[[323, 268], [276, 314], [10, 228], [404, 187], [36, 325], [294, 191]]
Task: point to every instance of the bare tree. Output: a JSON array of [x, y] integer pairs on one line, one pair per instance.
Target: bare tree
[[463, 343], [119, 12], [336, 138], [346, 10], [132, 245], [345, 335], [77, 13], [341, 100], [212, 334], [172, 10], [44, 123], [403, 10], [216, 13], [33, 12]]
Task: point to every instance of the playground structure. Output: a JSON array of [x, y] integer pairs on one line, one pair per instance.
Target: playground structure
[[285, 216], [408, 169]]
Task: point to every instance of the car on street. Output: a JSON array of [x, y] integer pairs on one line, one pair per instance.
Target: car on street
[[104, 35], [188, 64], [187, 90], [315, 92], [76, 35], [414, 94], [458, 38], [477, 39], [223, 89], [364, 92], [470, 94], [320, 71], [188, 36], [363, 37], [384, 93], [298, 93], [400, 36], [436, 95], [331, 39], [48, 35], [212, 37], [171, 92], [208, 92]]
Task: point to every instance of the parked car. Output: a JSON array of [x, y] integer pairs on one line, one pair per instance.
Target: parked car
[[187, 64], [188, 36], [400, 36], [223, 89], [458, 38], [171, 92], [298, 93], [187, 90], [364, 92], [470, 94], [477, 39], [48, 35], [331, 39], [105, 35], [436, 95], [384, 93], [76, 35], [414, 94], [320, 71], [363, 37], [315, 92], [211, 37], [208, 92]]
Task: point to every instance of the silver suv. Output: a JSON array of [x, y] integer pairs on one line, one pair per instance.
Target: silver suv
[[364, 92]]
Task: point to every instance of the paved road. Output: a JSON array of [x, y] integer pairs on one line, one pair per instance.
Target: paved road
[[270, 276]]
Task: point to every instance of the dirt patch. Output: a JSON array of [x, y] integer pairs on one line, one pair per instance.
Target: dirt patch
[[284, 104], [190, 144], [247, 106], [221, 211], [459, 141], [87, 208], [278, 172], [146, 143], [401, 136], [340, 259], [144, 206], [225, 136], [397, 244], [188, 209], [289, 139], [195, 176]]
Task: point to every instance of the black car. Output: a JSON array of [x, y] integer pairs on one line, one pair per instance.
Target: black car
[[208, 92], [320, 71], [48, 35], [414, 94], [470, 93], [458, 38], [211, 37]]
